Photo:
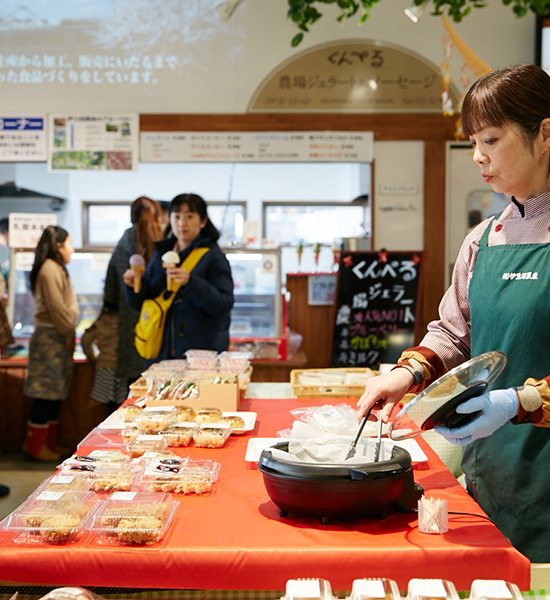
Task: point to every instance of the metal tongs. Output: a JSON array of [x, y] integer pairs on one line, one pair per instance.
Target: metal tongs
[[353, 446]]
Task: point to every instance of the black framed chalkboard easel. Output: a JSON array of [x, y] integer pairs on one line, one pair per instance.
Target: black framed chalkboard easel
[[376, 307]]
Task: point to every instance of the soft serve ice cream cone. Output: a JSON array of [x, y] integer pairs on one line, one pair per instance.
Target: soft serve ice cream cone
[[170, 260], [137, 264]]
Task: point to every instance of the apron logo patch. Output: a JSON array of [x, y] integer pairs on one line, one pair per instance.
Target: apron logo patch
[[515, 276]]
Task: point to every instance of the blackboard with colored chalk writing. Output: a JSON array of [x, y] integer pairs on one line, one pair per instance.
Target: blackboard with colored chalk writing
[[376, 308]]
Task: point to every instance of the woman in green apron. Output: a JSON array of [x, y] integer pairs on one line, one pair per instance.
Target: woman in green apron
[[498, 300]]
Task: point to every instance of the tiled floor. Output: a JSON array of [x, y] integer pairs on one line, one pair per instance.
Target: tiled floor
[[22, 476]]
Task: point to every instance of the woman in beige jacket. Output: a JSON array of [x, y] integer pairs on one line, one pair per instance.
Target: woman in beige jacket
[[51, 347]]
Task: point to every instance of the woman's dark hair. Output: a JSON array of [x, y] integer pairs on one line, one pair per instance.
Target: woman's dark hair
[[197, 205], [518, 94], [47, 248], [145, 214]]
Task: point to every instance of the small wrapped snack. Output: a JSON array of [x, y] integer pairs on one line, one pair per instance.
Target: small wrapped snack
[[155, 419], [212, 435], [105, 478], [202, 360], [180, 434], [192, 477], [143, 443], [185, 413], [135, 518]]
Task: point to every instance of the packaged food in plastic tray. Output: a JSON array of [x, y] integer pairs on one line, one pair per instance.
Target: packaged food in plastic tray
[[374, 589], [95, 457], [212, 435], [153, 419], [191, 477], [52, 517], [63, 483], [202, 359], [494, 589], [106, 478], [130, 432], [167, 456], [234, 362], [314, 589], [129, 412], [180, 434], [424, 589], [134, 518], [145, 442]]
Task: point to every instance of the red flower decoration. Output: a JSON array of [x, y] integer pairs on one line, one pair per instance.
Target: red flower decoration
[[498, 227], [347, 260], [415, 259], [383, 257]]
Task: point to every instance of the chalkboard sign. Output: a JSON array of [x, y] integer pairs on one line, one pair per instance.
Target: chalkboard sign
[[376, 307]]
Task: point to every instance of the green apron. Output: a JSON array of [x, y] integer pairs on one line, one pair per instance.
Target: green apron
[[510, 312]]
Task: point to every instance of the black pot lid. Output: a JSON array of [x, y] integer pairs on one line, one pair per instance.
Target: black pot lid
[[437, 403]]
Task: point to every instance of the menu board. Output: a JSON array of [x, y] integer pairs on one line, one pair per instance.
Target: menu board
[[376, 307], [261, 146]]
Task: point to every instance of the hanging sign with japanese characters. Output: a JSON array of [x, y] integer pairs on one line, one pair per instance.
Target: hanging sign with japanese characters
[[22, 138], [26, 228], [376, 307], [93, 142], [356, 76]]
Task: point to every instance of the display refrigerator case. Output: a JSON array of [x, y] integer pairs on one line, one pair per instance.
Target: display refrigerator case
[[256, 319]]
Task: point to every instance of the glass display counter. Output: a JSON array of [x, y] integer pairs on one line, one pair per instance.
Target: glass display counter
[[256, 318]]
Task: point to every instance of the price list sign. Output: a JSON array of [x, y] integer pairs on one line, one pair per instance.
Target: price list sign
[[274, 146], [376, 306]]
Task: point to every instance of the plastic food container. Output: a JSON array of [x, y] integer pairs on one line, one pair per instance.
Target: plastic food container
[[494, 589], [155, 419], [144, 442], [192, 477], [180, 434], [202, 360], [234, 362], [105, 478], [97, 457], [64, 483], [428, 589], [52, 517], [134, 518], [310, 589], [212, 435], [371, 589], [208, 415], [129, 433]]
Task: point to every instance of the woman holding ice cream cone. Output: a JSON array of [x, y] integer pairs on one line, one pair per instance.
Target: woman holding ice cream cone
[[200, 313]]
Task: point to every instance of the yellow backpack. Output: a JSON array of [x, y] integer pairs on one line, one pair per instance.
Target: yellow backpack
[[152, 318]]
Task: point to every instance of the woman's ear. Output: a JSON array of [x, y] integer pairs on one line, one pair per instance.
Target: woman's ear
[[545, 132]]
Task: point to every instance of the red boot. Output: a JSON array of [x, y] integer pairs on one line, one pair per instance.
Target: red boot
[[36, 443], [53, 428]]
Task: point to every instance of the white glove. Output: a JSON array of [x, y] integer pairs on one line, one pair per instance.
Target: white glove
[[495, 408]]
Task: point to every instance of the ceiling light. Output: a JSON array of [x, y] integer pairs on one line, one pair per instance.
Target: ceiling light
[[414, 12]]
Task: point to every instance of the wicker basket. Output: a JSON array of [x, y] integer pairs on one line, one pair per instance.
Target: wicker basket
[[329, 385]]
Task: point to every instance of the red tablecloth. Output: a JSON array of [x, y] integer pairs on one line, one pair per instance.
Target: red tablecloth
[[234, 537]]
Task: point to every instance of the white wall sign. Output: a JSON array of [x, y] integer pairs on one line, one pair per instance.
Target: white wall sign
[[262, 146], [26, 228], [93, 142], [23, 138]]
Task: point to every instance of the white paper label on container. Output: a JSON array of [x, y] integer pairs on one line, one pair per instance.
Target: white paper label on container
[[49, 496], [303, 589], [64, 479], [494, 588], [427, 587], [158, 408], [369, 588], [100, 453], [146, 437], [123, 495]]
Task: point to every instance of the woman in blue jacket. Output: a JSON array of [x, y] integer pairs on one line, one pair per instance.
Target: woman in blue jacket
[[200, 314]]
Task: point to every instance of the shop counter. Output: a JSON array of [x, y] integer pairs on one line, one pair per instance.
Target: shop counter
[[234, 538]]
